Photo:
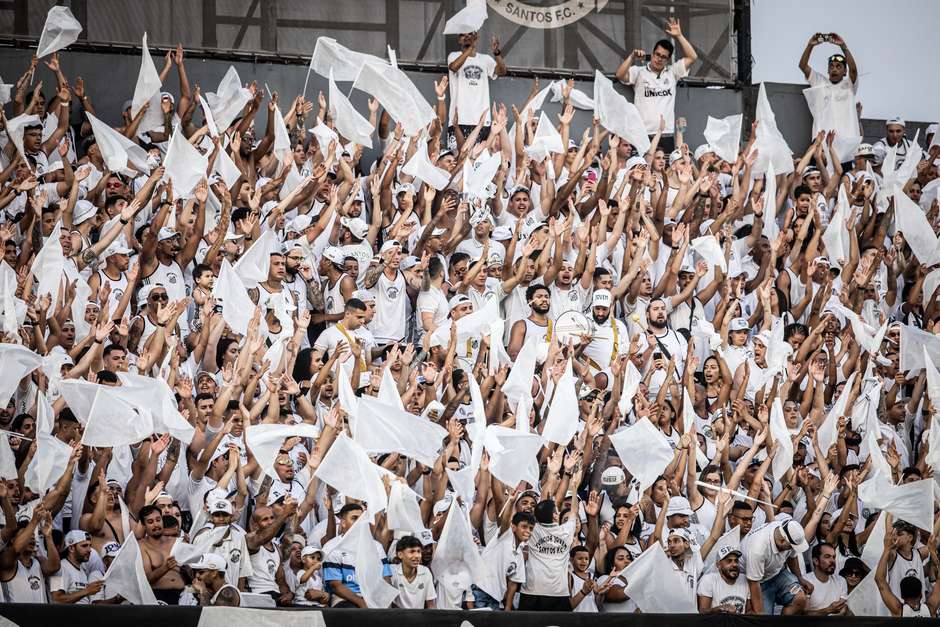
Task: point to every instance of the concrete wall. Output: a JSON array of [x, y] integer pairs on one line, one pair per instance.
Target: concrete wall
[[111, 78]]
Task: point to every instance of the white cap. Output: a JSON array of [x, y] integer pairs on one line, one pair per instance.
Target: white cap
[[763, 337], [727, 550], [675, 155], [680, 532], [210, 561], [896, 120], [409, 262], [702, 150], [224, 506], [601, 298], [865, 150], [401, 188], [310, 550], [501, 233], [738, 324], [364, 295], [75, 536], [335, 255], [443, 505], [678, 505], [793, 533], [458, 300], [356, 226], [144, 292], [117, 248], [388, 245], [84, 210], [635, 162], [299, 224], [111, 549], [931, 129], [166, 233], [613, 476]]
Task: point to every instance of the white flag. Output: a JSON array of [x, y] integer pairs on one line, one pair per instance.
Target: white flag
[[60, 31], [618, 115], [147, 90], [126, 576], [643, 450]]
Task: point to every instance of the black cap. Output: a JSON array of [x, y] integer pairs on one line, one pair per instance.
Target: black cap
[[854, 565]]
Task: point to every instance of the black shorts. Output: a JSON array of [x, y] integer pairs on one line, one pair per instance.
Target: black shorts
[[538, 603], [170, 597]]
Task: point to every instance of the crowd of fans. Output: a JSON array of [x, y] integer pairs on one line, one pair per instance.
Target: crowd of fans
[[501, 366]]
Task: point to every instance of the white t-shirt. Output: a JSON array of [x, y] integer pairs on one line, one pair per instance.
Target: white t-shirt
[[503, 560], [453, 589], [825, 593], [655, 94], [70, 579], [413, 594], [470, 88], [435, 302], [234, 550], [331, 336], [300, 591], [546, 572], [836, 109], [714, 586], [763, 560]]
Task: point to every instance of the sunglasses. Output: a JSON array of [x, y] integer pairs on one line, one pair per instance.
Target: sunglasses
[[837, 57], [159, 297]]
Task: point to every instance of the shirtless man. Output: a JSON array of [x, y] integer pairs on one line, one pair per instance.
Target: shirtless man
[[104, 523], [163, 573]]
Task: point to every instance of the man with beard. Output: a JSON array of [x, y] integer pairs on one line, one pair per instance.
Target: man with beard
[[354, 316], [337, 288], [22, 569], [265, 551], [566, 293], [392, 289], [829, 589], [537, 325], [724, 591], [608, 341], [299, 277], [164, 255], [114, 274], [71, 584], [660, 338], [211, 583], [285, 483], [160, 567]]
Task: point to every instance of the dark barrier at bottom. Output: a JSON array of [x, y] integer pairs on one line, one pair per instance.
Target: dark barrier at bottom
[[29, 615]]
